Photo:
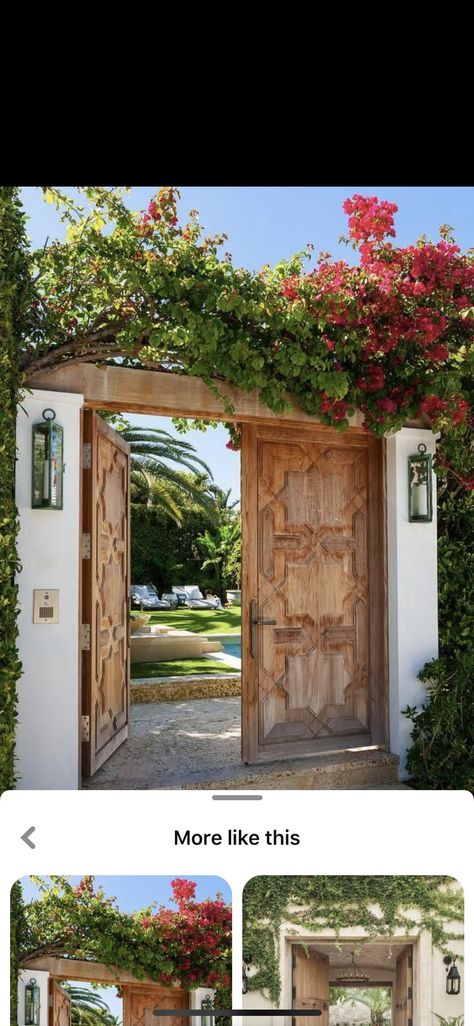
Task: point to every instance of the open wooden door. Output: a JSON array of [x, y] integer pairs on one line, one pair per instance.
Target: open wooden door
[[313, 559], [139, 1002], [105, 592], [404, 988], [310, 985], [59, 1005]]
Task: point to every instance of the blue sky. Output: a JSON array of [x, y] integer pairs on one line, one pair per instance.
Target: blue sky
[[266, 224], [136, 892]]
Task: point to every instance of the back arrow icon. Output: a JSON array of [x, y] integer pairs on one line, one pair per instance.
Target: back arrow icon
[[26, 837]]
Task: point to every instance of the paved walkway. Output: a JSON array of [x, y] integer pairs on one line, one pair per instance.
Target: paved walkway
[[174, 743], [178, 743]]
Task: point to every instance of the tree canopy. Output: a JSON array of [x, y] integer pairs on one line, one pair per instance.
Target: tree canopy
[[391, 336], [189, 944]]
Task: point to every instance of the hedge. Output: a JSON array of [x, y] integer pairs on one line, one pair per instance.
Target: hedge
[[15, 303], [166, 554]]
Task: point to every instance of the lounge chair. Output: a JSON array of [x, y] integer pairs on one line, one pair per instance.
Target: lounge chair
[[194, 597]]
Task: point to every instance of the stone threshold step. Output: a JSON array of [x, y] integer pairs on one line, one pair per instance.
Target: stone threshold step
[[340, 770]]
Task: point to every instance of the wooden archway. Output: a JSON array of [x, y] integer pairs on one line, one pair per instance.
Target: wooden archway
[[313, 564], [140, 997]]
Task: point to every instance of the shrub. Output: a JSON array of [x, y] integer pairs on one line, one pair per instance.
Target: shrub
[[442, 752], [442, 755], [456, 573], [166, 554]]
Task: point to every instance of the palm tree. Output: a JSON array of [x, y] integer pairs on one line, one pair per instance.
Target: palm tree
[[155, 481], [378, 1000], [221, 496], [88, 1008], [222, 551]]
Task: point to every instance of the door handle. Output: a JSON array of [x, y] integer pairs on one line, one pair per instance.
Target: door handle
[[256, 621]]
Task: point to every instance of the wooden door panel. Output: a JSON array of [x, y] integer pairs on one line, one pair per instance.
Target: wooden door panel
[[105, 588], [139, 1002], [310, 985], [404, 988], [59, 1005], [317, 681]]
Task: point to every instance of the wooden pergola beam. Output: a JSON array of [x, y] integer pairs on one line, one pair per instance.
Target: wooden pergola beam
[[84, 971], [123, 389]]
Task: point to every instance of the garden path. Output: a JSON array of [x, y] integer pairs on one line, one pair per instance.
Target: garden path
[[178, 744]]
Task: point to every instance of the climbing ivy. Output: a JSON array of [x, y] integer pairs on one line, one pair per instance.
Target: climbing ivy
[[15, 307], [334, 902], [17, 927]]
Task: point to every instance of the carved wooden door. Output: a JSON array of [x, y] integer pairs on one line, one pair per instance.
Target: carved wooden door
[[404, 988], [59, 1005], [313, 564], [105, 592], [310, 986], [140, 1001]]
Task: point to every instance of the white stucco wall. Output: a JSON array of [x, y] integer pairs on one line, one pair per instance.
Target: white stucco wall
[[42, 982], [412, 589], [429, 979], [195, 999], [442, 1003], [47, 747]]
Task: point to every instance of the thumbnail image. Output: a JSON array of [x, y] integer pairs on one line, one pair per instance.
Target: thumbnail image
[[119, 951], [354, 950]]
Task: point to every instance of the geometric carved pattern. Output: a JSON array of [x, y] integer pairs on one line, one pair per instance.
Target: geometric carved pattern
[[139, 1003], [60, 1007], [105, 590], [111, 590], [313, 580]]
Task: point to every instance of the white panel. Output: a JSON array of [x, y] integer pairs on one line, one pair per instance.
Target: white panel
[[47, 735], [42, 980], [412, 589]]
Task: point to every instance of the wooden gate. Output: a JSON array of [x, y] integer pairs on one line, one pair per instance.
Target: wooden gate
[[59, 1005], [404, 988], [139, 1002], [310, 981], [105, 592], [313, 545]]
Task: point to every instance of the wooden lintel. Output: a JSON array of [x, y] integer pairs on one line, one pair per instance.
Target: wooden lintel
[[125, 390], [84, 971]]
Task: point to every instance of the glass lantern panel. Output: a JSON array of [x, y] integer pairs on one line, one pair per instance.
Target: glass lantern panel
[[40, 462], [56, 496]]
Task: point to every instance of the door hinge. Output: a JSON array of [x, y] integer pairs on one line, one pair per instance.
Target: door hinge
[[85, 728], [50, 1001], [409, 993], [410, 961], [410, 1022], [87, 455], [86, 546], [86, 637]]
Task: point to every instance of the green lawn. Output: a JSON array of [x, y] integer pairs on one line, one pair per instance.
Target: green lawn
[[201, 621], [178, 667]]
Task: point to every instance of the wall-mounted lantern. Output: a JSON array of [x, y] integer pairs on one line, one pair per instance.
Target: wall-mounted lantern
[[420, 486], [32, 1003], [48, 467], [206, 1005], [453, 976]]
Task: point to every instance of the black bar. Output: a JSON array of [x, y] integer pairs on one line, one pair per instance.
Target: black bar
[[202, 1012]]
